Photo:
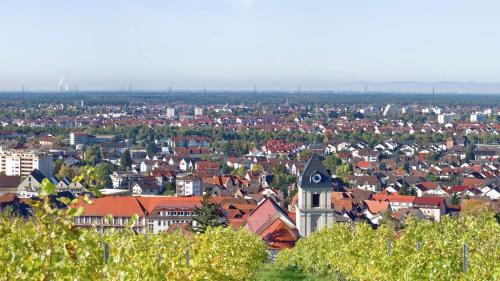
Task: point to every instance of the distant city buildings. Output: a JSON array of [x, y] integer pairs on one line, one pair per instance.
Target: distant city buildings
[[198, 111], [15, 162], [478, 117], [83, 138], [170, 112], [446, 118]]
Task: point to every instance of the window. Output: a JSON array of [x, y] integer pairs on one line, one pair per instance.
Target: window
[[315, 200]]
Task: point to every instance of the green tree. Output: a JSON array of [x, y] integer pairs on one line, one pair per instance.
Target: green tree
[[169, 189], [151, 149], [103, 173], [469, 153], [65, 172], [305, 154], [331, 162], [125, 161], [344, 171], [208, 215], [56, 166], [257, 168], [92, 155], [407, 190], [454, 199], [241, 171]]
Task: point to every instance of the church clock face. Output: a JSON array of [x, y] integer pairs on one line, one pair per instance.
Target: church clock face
[[316, 178]]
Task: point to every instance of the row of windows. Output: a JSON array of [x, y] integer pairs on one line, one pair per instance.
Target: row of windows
[[169, 213], [165, 223], [91, 220], [170, 222]]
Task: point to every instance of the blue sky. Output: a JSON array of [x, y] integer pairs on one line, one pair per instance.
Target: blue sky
[[235, 44]]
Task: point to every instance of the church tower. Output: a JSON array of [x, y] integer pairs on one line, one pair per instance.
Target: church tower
[[314, 206]]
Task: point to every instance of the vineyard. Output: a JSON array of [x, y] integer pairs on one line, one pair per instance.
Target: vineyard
[[49, 247], [30, 253], [423, 250]]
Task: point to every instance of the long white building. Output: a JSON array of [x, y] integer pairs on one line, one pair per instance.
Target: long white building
[[15, 162]]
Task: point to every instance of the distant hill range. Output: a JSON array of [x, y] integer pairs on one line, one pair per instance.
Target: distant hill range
[[421, 87]]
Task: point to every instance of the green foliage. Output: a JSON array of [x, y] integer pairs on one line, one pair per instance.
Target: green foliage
[[151, 149], [343, 171], [274, 273], [305, 154], [454, 199], [65, 172], [125, 160], [469, 153], [407, 190], [359, 252], [92, 155], [56, 166], [281, 179], [103, 173], [208, 215], [50, 247], [257, 168], [331, 162], [169, 189], [241, 171]]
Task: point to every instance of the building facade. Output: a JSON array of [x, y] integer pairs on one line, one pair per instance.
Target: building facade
[[188, 185], [22, 162]]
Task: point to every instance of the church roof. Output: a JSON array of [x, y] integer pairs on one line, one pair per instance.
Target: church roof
[[315, 166]]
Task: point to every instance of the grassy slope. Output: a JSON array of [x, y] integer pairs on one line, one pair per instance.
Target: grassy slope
[[271, 273]]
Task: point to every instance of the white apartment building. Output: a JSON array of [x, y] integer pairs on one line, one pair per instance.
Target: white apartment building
[[198, 111], [21, 162], [170, 112], [446, 118], [188, 185], [478, 117], [76, 138]]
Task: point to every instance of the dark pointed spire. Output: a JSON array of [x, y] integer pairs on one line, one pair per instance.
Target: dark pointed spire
[[315, 175]]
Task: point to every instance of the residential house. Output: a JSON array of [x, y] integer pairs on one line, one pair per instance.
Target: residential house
[[9, 184], [432, 207], [147, 187], [274, 225], [396, 201], [371, 183], [429, 188], [31, 185], [374, 210]]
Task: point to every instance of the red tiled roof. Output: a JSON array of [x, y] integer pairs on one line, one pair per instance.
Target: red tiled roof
[[115, 206], [429, 201], [264, 215], [473, 182], [149, 203], [376, 207], [429, 184], [394, 198], [279, 235], [364, 164]]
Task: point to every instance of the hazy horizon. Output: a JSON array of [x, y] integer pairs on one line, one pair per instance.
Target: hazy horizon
[[323, 45]]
